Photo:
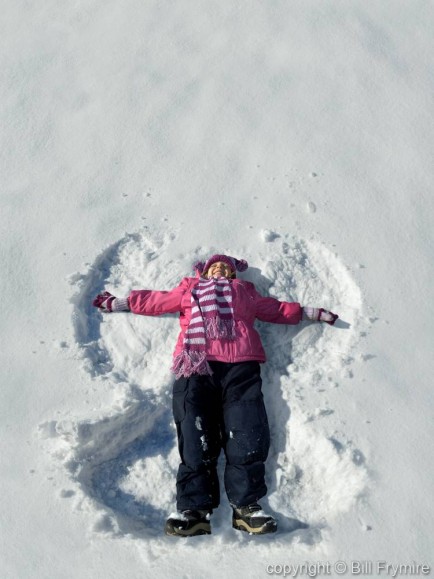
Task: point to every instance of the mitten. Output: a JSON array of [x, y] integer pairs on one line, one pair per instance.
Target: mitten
[[109, 303], [320, 315]]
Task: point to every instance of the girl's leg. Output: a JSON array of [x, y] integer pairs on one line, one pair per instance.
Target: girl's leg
[[196, 410], [246, 437]]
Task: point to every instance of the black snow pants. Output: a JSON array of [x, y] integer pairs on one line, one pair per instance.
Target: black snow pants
[[225, 410]]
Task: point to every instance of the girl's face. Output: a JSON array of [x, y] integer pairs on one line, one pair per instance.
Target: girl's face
[[219, 269]]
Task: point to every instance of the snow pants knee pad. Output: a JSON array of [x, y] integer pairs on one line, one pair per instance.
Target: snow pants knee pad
[[246, 432], [197, 418]]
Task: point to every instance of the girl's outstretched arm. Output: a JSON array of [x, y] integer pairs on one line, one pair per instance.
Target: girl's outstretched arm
[[279, 312], [144, 302]]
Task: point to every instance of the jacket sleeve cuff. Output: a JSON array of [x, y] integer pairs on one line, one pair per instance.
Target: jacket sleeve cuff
[[311, 313], [120, 305]]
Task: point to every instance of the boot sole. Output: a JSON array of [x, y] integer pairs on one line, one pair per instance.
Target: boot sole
[[269, 527], [199, 529]]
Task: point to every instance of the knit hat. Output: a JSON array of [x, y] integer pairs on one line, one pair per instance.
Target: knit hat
[[232, 262]]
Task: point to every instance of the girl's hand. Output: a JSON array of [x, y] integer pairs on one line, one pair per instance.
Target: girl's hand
[[327, 317], [104, 301], [319, 315]]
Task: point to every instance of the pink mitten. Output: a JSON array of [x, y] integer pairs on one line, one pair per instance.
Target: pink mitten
[[108, 303], [320, 315], [327, 317], [104, 301]]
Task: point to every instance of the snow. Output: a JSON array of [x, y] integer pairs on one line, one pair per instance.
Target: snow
[[138, 138]]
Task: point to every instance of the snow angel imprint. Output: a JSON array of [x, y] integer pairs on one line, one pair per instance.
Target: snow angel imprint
[[217, 397]]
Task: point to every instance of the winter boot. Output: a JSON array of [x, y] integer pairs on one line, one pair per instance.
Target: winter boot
[[188, 523], [253, 519]]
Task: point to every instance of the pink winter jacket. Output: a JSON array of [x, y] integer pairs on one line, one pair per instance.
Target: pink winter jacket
[[248, 305]]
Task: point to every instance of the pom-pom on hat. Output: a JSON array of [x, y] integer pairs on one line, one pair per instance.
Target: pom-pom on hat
[[232, 262]]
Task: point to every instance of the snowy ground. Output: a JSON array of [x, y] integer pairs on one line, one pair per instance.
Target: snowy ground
[[137, 137]]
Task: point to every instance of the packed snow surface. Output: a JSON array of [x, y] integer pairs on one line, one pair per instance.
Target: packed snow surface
[[138, 138]]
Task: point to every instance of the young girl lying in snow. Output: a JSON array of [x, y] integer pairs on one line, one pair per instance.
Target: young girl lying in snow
[[217, 398]]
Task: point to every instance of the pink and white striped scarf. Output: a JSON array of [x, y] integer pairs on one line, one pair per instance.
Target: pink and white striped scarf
[[212, 317]]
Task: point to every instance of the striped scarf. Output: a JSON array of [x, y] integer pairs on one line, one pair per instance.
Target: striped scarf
[[212, 317]]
